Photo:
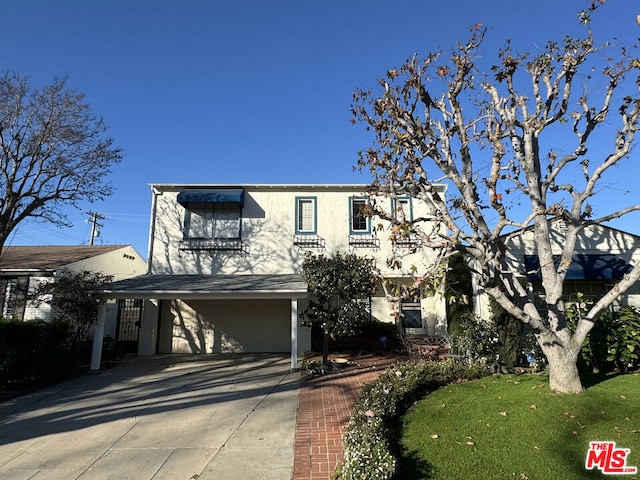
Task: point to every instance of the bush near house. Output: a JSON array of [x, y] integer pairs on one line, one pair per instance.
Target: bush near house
[[371, 439], [500, 342], [367, 338], [36, 354], [612, 345], [614, 341]]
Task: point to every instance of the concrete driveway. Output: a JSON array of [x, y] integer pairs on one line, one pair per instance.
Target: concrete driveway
[[170, 417]]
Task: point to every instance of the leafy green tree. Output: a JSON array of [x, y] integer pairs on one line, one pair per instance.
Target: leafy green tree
[[489, 130], [339, 291], [73, 300], [53, 152]]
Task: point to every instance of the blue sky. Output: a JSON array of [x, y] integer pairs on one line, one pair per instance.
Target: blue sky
[[256, 91]]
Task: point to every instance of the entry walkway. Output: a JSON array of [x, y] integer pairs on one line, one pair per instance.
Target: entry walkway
[[324, 409], [167, 417]]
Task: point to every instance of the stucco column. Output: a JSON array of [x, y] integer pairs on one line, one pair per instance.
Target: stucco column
[[98, 336], [294, 334]]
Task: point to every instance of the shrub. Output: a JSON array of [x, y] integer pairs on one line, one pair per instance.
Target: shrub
[[510, 334], [34, 354], [499, 342], [459, 292], [377, 329], [370, 442], [476, 339], [614, 341], [624, 339]]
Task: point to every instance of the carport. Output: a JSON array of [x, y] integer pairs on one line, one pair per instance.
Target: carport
[[193, 288]]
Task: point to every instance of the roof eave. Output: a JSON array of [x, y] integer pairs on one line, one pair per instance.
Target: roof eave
[[200, 295]]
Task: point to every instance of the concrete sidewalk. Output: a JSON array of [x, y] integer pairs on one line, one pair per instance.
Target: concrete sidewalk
[[163, 417]]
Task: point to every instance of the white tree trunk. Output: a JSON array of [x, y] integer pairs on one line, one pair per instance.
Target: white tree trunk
[[563, 368]]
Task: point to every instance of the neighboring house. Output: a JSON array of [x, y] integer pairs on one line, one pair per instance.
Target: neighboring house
[[225, 264], [603, 255], [23, 269]]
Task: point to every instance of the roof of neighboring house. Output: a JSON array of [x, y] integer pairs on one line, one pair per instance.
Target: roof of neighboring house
[[49, 257]]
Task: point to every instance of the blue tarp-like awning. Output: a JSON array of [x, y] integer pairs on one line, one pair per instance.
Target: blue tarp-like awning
[[603, 266], [211, 195]]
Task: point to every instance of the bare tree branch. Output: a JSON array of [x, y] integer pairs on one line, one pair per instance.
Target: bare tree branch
[[53, 152]]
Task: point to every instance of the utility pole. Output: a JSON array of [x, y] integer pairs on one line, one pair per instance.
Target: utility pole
[[95, 232]]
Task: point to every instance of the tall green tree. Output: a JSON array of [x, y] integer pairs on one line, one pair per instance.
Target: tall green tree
[[510, 136], [53, 152], [339, 289]]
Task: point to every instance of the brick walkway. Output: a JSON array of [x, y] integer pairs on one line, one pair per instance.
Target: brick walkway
[[324, 407]]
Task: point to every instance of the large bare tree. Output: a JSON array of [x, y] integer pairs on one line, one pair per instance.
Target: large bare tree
[[53, 152], [512, 142]]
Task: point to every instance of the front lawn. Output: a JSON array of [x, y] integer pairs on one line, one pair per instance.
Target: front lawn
[[512, 426]]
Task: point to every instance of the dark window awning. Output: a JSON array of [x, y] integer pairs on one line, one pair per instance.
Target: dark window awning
[[603, 266], [211, 195]]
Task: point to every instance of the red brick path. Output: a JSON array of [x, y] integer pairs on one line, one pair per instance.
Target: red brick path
[[324, 407]]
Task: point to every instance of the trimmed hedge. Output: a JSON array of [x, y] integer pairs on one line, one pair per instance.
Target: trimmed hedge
[[35, 354], [372, 435]]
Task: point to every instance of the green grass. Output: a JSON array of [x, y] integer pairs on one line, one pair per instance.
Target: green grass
[[505, 427]]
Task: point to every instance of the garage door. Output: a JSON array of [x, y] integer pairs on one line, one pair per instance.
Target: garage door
[[229, 326]]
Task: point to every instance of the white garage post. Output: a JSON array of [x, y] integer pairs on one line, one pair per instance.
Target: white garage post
[[98, 336], [294, 334]]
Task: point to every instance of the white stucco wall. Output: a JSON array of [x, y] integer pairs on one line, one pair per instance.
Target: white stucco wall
[[122, 263], [268, 229]]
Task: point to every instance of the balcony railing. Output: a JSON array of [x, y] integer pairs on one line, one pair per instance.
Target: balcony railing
[[411, 242], [308, 241], [364, 241], [214, 244]]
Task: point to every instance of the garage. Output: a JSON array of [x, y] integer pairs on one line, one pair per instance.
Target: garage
[[225, 326], [213, 314]]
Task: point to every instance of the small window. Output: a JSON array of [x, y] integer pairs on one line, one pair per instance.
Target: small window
[[402, 209], [411, 315], [213, 221], [360, 220], [306, 215]]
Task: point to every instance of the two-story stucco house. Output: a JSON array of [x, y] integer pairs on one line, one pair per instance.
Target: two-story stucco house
[[225, 262]]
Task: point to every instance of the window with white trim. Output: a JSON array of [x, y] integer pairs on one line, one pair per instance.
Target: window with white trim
[[306, 212], [402, 209], [360, 221]]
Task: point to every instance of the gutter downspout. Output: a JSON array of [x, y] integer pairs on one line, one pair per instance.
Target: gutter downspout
[[152, 226]]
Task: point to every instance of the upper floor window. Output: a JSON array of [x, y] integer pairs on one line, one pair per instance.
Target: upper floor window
[[213, 220], [306, 213], [360, 221], [402, 209]]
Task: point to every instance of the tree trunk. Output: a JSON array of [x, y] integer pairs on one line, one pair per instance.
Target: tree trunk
[[325, 349], [563, 369]]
